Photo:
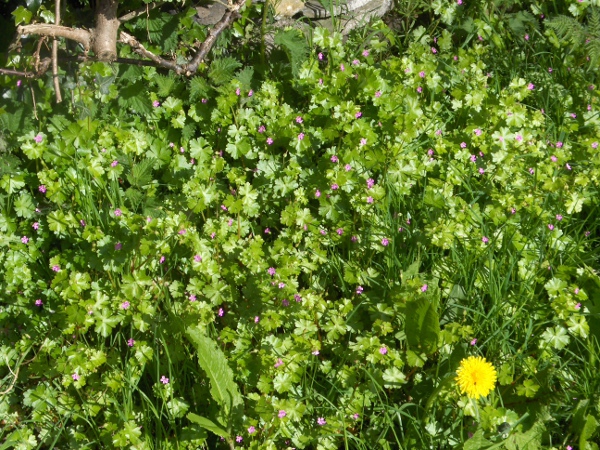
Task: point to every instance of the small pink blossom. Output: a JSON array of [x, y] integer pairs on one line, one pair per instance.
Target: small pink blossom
[[433, 50], [281, 414], [553, 158], [269, 141], [36, 225], [481, 171], [75, 377], [358, 115], [24, 239], [320, 56], [38, 138], [19, 83], [385, 242], [250, 93], [221, 312], [42, 188], [164, 380], [299, 119], [347, 167], [354, 239], [281, 285], [317, 193], [192, 298], [365, 53], [424, 288], [377, 94], [251, 430], [39, 302], [531, 86], [334, 187], [370, 183], [342, 67], [56, 268], [125, 305], [422, 74], [271, 271], [321, 421], [156, 103], [568, 166], [239, 439], [419, 89], [161, 260], [340, 231], [118, 212], [301, 136], [315, 352], [594, 144], [550, 227], [130, 342], [355, 62], [559, 217], [363, 141], [531, 171], [198, 258], [485, 240], [383, 350], [118, 246], [359, 290], [237, 91], [559, 144], [278, 363], [474, 341], [262, 129], [334, 159], [114, 163]]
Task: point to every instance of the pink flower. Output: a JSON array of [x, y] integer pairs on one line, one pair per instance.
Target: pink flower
[[75, 377], [221, 312], [161, 260], [317, 193], [526, 37], [354, 239], [385, 242], [481, 171], [321, 421], [164, 380], [433, 50], [477, 132], [363, 141], [422, 74], [36, 225], [39, 302], [301, 136], [271, 271], [568, 166], [182, 231], [237, 91], [56, 268], [463, 145], [559, 217], [281, 285], [239, 439], [198, 258], [347, 167], [38, 138], [340, 231], [553, 158], [355, 416], [315, 352], [118, 246], [549, 69], [369, 199], [262, 129], [531, 86], [370, 183], [281, 414], [559, 144], [474, 341], [42, 188], [24, 239], [334, 159], [192, 298], [377, 94], [424, 288], [334, 187], [299, 119], [594, 144], [383, 350], [320, 56], [118, 212], [355, 62], [156, 103], [485, 240], [125, 305], [298, 298], [256, 319], [251, 430], [114, 163], [550, 227], [473, 158], [279, 363], [130, 342], [19, 83], [419, 89], [342, 67], [359, 290], [358, 115], [531, 171]]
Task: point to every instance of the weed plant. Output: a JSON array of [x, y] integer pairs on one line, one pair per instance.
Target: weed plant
[[301, 255]]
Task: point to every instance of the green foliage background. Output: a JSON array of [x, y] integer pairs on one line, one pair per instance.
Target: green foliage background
[[297, 249]]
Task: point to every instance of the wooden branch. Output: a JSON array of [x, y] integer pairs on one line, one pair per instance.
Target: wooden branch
[[55, 54], [138, 48], [214, 32], [139, 12], [104, 38], [84, 37]]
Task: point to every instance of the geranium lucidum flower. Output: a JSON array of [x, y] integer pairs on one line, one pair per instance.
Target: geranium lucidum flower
[[476, 377]]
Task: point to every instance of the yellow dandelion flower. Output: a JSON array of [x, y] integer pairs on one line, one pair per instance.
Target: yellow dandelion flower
[[476, 377]]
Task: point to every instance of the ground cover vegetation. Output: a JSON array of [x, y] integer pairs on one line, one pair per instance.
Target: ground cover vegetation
[[385, 241]]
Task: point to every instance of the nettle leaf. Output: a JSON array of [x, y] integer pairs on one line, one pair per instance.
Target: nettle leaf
[[213, 361], [136, 98], [221, 70], [422, 325], [165, 84], [294, 44], [199, 89], [141, 172]]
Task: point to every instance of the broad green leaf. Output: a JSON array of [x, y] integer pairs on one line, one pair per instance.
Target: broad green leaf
[[207, 424], [213, 361], [422, 325]]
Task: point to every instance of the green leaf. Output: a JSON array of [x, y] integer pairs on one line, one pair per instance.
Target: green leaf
[[422, 325], [213, 361], [221, 70], [208, 425], [589, 428], [294, 44], [24, 206], [22, 15]]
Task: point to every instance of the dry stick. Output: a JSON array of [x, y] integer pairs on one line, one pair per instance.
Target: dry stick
[[55, 54], [214, 32], [138, 48], [34, 105], [84, 37], [139, 12], [36, 54]]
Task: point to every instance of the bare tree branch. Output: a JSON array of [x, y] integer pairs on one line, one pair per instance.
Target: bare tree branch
[[104, 37], [55, 54], [84, 37], [214, 32], [139, 12], [138, 48]]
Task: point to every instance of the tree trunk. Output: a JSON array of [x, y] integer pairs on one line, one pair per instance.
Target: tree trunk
[[104, 42]]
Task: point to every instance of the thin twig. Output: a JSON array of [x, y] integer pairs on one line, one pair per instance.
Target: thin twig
[[34, 104], [127, 39], [214, 32], [139, 12], [55, 54], [36, 54]]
